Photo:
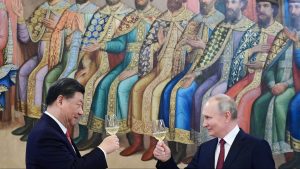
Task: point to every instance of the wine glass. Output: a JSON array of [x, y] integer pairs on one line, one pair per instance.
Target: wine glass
[[159, 129], [111, 124]]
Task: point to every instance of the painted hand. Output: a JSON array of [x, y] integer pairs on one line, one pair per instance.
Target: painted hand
[[18, 8], [126, 74]]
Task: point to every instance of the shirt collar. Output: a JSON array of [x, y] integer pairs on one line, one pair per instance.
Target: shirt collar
[[229, 138], [63, 128]]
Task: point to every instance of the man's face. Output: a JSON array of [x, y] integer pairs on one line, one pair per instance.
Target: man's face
[[264, 13], [141, 4], [112, 2], [206, 6], [214, 120], [233, 10], [72, 107], [174, 5], [294, 9]]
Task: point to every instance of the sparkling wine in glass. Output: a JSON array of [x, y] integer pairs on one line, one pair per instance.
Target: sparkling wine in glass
[[159, 129], [111, 124]]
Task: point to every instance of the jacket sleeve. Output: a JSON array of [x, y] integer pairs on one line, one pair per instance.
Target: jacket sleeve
[[194, 163], [50, 150], [262, 156], [170, 164]]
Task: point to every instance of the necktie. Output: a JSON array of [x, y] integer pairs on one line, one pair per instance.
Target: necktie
[[221, 155], [68, 137]]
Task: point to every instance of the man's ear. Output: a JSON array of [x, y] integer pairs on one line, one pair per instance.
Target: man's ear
[[228, 115], [59, 100]]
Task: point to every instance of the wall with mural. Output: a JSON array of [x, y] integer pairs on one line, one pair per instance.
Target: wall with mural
[[161, 59]]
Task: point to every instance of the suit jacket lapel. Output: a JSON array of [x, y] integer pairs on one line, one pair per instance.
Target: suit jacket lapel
[[76, 149], [211, 155], [56, 127], [234, 149]]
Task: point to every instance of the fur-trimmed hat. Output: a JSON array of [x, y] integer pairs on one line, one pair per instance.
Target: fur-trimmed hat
[[271, 1]]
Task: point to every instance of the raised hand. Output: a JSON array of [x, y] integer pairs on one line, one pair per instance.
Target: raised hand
[[18, 8], [110, 144], [162, 152]]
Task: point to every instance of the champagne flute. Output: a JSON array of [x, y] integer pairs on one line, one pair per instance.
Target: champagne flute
[[159, 129], [111, 124]]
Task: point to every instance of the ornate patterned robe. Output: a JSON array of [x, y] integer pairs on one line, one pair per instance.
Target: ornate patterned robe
[[33, 71], [112, 95], [218, 54], [7, 70], [66, 40], [147, 91], [270, 113], [103, 25], [201, 27], [94, 66], [247, 90]]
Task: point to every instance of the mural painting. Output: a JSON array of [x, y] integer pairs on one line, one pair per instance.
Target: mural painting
[[145, 60]]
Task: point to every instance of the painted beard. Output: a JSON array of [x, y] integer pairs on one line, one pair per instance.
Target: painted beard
[[174, 5], [205, 8], [264, 21], [231, 15], [112, 2], [295, 22], [81, 1], [141, 6]]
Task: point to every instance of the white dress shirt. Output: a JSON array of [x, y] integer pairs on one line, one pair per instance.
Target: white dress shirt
[[229, 138], [63, 128]]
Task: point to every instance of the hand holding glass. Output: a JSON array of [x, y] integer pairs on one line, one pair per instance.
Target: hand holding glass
[[159, 129], [111, 124]]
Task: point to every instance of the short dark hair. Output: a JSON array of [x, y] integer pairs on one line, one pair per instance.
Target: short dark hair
[[275, 9], [274, 6], [66, 87]]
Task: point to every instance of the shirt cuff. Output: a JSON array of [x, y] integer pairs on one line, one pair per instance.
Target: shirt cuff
[[103, 152]]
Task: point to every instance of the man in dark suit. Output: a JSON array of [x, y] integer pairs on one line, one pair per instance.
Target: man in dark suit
[[49, 144], [232, 148]]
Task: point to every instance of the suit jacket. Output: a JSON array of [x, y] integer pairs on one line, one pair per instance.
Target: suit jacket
[[48, 147], [245, 152]]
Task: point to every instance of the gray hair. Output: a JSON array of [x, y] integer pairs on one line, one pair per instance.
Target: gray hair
[[226, 104]]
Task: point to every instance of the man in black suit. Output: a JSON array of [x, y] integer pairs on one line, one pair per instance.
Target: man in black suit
[[49, 144], [232, 148]]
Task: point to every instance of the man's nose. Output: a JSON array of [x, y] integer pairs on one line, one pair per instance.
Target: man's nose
[[81, 111], [229, 5], [292, 10], [204, 124], [205, 1]]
